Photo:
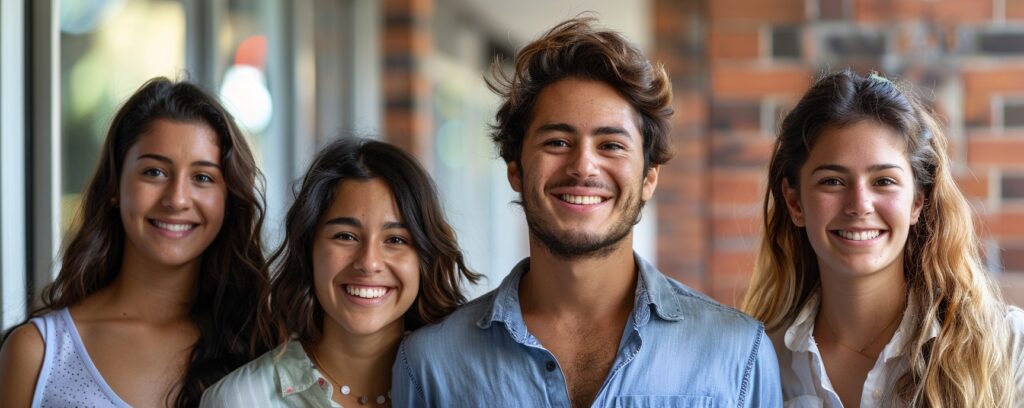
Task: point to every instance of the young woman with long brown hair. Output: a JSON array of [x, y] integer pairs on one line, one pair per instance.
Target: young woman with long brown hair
[[869, 277], [157, 286]]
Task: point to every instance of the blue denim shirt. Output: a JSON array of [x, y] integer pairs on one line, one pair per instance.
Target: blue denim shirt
[[679, 349]]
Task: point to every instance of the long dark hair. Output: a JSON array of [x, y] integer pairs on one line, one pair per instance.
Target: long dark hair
[[294, 307], [231, 274]]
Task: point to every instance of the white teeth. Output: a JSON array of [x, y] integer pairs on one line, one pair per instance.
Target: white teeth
[[859, 235], [174, 227], [365, 293], [573, 199]]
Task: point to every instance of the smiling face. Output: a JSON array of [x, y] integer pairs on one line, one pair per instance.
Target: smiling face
[[172, 194], [582, 169], [365, 267], [856, 200]]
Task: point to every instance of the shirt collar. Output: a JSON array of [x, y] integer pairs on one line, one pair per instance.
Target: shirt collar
[[653, 290], [295, 371], [798, 335]]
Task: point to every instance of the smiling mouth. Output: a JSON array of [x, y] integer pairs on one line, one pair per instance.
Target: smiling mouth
[[858, 235], [366, 292], [580, 200], [172, 227]]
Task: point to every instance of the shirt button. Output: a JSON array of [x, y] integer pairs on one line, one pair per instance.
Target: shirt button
[[877, 394], [551, 366]]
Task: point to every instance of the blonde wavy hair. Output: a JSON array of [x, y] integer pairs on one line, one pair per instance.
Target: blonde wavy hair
[[967, 364]]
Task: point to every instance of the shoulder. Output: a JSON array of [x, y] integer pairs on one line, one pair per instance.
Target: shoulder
[[698, 306], [466, 332], [21, 360], [255, 380], [462, 322], [1014, 318]]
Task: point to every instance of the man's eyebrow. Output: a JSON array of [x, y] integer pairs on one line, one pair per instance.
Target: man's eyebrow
[[612, 130], [556, 127], [564, 127]]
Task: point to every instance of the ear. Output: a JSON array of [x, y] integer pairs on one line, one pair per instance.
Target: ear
[[796, 210], [915, 214], [515, 178], [650, 183]]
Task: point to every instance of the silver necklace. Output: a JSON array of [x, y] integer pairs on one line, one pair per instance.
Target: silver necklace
[[345, 389]]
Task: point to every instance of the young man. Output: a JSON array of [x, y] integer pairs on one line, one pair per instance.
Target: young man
[[584, 321]]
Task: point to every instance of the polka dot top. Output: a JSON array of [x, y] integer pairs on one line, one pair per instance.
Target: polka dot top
[[68, 377]]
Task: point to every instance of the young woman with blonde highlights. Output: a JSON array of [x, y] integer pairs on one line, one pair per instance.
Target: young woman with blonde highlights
[[869, 277]]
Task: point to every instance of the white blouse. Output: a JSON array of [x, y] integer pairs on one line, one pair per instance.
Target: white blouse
[[805, 383]]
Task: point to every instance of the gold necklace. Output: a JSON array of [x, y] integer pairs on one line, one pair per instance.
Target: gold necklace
[[345, 389], [835, 337]]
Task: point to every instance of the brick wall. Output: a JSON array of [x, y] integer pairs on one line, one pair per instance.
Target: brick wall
[[740, 65], [405, 43]]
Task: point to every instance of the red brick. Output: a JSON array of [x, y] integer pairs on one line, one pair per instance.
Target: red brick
[[742, 150], [730, 275], [404, 39], [690, 109], [685, 243], [734, 42], [1005, 224], [684, 187], [961, 11], [736, 226], [974, 184], [993, 151], [736, 187], [1014, 9], [757, 11], [754, 82], [886, 10], [732, 263], [981, 84], [730, 290]]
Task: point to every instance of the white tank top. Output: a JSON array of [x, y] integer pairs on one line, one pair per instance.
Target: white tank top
[[68, 377]]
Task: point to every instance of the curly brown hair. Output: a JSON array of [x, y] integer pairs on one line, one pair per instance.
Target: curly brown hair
[[574, 48]]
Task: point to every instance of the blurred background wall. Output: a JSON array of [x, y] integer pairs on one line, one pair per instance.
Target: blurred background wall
[[297, 74]]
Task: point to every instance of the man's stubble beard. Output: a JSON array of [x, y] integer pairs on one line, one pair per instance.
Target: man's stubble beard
[[571, 245]]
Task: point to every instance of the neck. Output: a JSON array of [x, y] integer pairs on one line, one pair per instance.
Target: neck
[[362, 362], [149, 291], [584, 286], [857, 308]]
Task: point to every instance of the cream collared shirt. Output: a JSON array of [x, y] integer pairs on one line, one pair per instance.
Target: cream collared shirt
[[282, 377], [805, 383]]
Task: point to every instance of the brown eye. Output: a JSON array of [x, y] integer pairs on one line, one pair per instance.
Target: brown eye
[[831, 181], [344, 236], [153, 172], [396, 240]]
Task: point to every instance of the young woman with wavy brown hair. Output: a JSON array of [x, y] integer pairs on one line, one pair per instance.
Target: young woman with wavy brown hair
[[869, 277], [367, 256], [154, 299]]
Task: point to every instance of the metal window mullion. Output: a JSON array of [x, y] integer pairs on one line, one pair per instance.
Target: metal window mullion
[[13, 172], [45, 156]]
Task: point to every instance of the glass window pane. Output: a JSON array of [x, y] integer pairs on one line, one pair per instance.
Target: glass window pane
[[108, 49]]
